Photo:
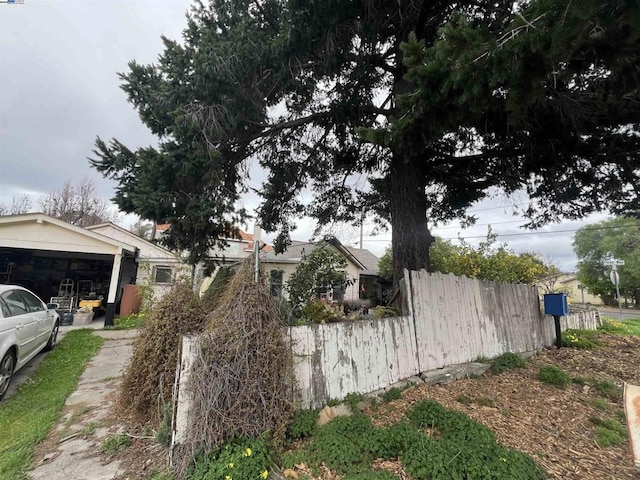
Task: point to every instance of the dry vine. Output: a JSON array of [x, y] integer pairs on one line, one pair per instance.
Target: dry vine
[[241, 382], [147, 380]]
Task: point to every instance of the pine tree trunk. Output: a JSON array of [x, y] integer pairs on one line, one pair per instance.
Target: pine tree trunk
[[410, 233]]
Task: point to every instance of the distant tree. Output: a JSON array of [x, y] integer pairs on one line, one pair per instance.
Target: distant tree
[[322, 268], [142, 229], [385, 266], [20, 203], [78, 204], [595, 244], [488, 261]]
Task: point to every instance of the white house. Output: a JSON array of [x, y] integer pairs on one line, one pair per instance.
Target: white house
[[157, 266]]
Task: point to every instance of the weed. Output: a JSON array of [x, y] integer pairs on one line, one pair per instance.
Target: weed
[[599, 403], [89, 429], [608, 389], [393, 393], [163, 435], [333, 402], [505, 412], [553, 375], [135, 320], [609, 431], [486, 402], [507, 361], [114, 443], [582, 381], [434, 443], [240, 459], [582, 339], [464, 400], [352, 400], [482, 359], [614, 327], [161, 475], [303, 424]]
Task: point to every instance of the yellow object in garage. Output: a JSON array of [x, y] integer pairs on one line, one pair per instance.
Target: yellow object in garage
[[90, 303]]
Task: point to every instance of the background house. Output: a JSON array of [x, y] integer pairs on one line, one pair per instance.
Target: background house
[[568, 283], [157, 266], [361, 270]]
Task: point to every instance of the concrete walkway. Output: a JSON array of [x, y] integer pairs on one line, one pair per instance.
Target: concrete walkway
[[72, 444]]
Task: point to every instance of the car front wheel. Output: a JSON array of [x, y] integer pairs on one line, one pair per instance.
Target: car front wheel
[[6, 372], [53, 337]]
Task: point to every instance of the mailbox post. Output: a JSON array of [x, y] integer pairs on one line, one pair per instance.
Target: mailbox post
[[556, 304]]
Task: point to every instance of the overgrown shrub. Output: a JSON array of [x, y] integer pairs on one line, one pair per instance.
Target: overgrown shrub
[[507, 361], [241, 383], [213, 293], [148, 378]]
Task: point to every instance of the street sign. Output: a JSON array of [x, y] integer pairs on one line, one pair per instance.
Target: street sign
[[615, 261], [614, 277]]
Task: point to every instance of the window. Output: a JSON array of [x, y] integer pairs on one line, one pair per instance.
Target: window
[[163, 274], [5, 310], [33, 304], [14, 302], [275, 282]]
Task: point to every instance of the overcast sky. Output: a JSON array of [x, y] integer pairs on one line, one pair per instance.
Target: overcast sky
[[59, 89]]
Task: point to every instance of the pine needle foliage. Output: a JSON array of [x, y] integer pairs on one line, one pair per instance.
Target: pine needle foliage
[[241, 383], [148, 378]]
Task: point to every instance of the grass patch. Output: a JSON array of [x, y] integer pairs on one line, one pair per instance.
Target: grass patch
[[609, 431], [553, 375], [26, 417], [633, 325], [135, 320], [507, 361], [608, 389], [115, 443], [582, 339], [394, 393], [600, 403]]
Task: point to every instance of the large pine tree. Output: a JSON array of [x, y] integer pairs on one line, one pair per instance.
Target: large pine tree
[[426, 106]]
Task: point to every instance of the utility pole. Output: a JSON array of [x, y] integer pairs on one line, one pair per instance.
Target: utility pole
[[361, 228], [256, 251]]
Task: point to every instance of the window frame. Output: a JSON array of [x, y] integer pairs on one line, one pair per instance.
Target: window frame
[[158, 268]]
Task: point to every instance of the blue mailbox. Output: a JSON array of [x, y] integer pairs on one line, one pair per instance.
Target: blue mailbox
[[556, 304]]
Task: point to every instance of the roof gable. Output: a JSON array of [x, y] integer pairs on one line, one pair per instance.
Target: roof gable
[[37, 231]]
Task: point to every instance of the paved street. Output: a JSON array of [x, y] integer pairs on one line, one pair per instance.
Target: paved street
[[615, 313]]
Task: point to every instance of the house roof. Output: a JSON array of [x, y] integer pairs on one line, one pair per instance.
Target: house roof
[[50, 243], [362, 258], [366, 258], [134, 238]]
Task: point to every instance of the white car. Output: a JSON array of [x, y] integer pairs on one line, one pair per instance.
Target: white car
[[27, 325]]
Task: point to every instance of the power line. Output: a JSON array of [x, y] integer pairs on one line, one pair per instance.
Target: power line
[[525, 233]]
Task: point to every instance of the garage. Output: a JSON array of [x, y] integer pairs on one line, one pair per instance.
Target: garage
[[64, 263]]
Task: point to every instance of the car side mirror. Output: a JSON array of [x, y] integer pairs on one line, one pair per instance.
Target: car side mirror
[[53, 306]]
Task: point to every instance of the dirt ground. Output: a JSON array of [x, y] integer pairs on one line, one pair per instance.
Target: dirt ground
[[551, 424]]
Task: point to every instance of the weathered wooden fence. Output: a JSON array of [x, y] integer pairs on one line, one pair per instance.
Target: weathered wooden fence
[[450, 320]]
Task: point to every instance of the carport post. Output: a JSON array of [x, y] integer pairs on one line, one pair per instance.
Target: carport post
[[113, 289]]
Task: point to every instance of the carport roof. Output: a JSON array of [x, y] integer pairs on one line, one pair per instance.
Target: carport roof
[[56, 235]]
